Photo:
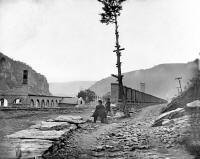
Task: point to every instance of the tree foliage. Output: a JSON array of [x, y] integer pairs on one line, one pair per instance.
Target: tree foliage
[[87, 95], [111, 10]]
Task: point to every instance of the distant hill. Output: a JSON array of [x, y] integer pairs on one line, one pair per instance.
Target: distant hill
[[69, 88], [159, 80], [11, 77]]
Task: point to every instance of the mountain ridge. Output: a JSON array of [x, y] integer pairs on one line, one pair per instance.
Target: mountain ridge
[[161, 75]]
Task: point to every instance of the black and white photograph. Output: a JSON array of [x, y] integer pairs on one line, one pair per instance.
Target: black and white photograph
[[99, 79]]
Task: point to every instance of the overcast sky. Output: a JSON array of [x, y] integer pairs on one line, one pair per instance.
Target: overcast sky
[[64, 40]]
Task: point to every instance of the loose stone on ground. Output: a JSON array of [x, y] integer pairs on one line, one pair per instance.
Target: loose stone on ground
[[34, 141]]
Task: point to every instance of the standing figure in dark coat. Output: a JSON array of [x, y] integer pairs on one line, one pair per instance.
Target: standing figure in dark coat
[[107, 105], [100, 111]]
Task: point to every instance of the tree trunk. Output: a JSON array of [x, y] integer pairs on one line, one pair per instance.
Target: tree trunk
[[120, 76]]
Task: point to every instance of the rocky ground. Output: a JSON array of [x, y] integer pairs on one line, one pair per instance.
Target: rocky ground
[[124, 138]]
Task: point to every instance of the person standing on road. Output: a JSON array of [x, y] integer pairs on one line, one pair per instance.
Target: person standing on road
[[100, 111], [107, 105]]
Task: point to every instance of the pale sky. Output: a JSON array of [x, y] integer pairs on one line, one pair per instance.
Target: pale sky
[[64, 40]]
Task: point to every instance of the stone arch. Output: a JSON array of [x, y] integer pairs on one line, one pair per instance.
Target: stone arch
[[2, 60], [80, 101], [4, 65], [37, 103], [17, 101], [3, 102], [52, 103], [32, 103], [47, 103], [42, 103], [56, 102]]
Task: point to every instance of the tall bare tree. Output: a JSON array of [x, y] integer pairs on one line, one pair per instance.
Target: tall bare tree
[[111, 12]]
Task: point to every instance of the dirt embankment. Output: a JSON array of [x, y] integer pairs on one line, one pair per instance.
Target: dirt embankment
[[191, 94]]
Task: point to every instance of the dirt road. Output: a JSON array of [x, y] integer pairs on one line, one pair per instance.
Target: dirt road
[[123, 138]]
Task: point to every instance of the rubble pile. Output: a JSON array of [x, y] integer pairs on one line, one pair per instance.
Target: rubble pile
[[138, 139], [64, 147], [169, 136], [173, 133], [131, 137], [123, 142]]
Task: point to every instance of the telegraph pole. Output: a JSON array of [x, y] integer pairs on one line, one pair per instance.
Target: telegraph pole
[[179, 80]]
